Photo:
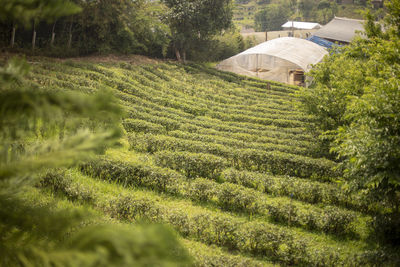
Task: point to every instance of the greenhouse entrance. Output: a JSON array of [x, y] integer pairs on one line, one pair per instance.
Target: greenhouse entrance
[[296, 77]]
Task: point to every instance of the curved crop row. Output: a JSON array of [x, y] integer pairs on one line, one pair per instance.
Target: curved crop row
[[304, 190], [274, 162], [255, 238]]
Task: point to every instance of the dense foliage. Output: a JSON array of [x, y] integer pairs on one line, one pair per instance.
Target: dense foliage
[[355, 98], [271, 16], [196, 20], [154, 28]]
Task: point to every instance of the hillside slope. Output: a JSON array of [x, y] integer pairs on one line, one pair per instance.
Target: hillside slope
[[225, 160]]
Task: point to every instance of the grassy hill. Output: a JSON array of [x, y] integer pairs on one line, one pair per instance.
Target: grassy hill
[[224, 160]]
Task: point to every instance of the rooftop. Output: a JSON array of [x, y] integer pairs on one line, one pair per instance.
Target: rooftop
[[301, 25], [341, 29]]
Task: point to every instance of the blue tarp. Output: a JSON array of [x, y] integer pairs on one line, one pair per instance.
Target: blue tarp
[[322, 42]]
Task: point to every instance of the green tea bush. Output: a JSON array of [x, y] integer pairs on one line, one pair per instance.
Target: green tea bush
[[201, 190], [135, 174], [59, 181], [301, 189], [180, 221], [128, 208], [336, 221], [234, 197], [132, 125], [192, 164], [284, 163]]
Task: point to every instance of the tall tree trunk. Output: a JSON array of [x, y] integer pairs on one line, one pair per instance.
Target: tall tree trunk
[[178, 54], [53, 34], [70, 33], [34, 36], [12, 42]]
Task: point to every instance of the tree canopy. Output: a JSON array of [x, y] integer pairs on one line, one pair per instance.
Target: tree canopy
[[195, 20], [355, 100]]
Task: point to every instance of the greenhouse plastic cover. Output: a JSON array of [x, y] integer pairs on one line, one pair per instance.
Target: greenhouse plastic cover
[[298, 51]]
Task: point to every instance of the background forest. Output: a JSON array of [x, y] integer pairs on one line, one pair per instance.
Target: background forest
[[269, 15], [153, 28]]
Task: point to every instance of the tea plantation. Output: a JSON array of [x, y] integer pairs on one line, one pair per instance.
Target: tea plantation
[[224, 160]]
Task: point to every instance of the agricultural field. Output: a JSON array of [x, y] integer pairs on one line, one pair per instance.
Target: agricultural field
[[224, 160]]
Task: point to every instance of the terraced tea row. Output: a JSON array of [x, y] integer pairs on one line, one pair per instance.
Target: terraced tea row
[[254, 237], [226, 196], [223, 159], [201, 253], [153, 88], [275, 162]]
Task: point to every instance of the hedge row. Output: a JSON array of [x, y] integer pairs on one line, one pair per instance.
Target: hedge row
[[263, 113], [228, 196], [205, 256], [169, 124], [274, 162], [134, 125], [236, 198], [153, 143], [246, 137], [245, 126], [192, 164], [255, 238], [279, 121], [235, 143], [158, 117], [134, 174], [300, 189]]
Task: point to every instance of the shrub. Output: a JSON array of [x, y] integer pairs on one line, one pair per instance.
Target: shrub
[[234, 197], [192, 164], [134, 125], [201, 190], [134, 173]]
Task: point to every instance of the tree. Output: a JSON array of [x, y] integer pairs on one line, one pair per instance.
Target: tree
[[194, 20], [306, 8], [271, 18], [355, 99], [22, 12]]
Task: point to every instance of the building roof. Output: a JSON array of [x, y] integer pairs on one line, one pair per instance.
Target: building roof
[[298, 51], [341, 29], [321, 42], [301, 25]]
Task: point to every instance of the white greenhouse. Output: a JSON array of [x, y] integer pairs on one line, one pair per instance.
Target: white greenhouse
[[283, 60]]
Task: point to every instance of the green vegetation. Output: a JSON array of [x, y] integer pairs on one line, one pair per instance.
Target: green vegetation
[[355, 103], [195, 21], [209, 153], [269, 15], [142, 162], [196, 30]]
